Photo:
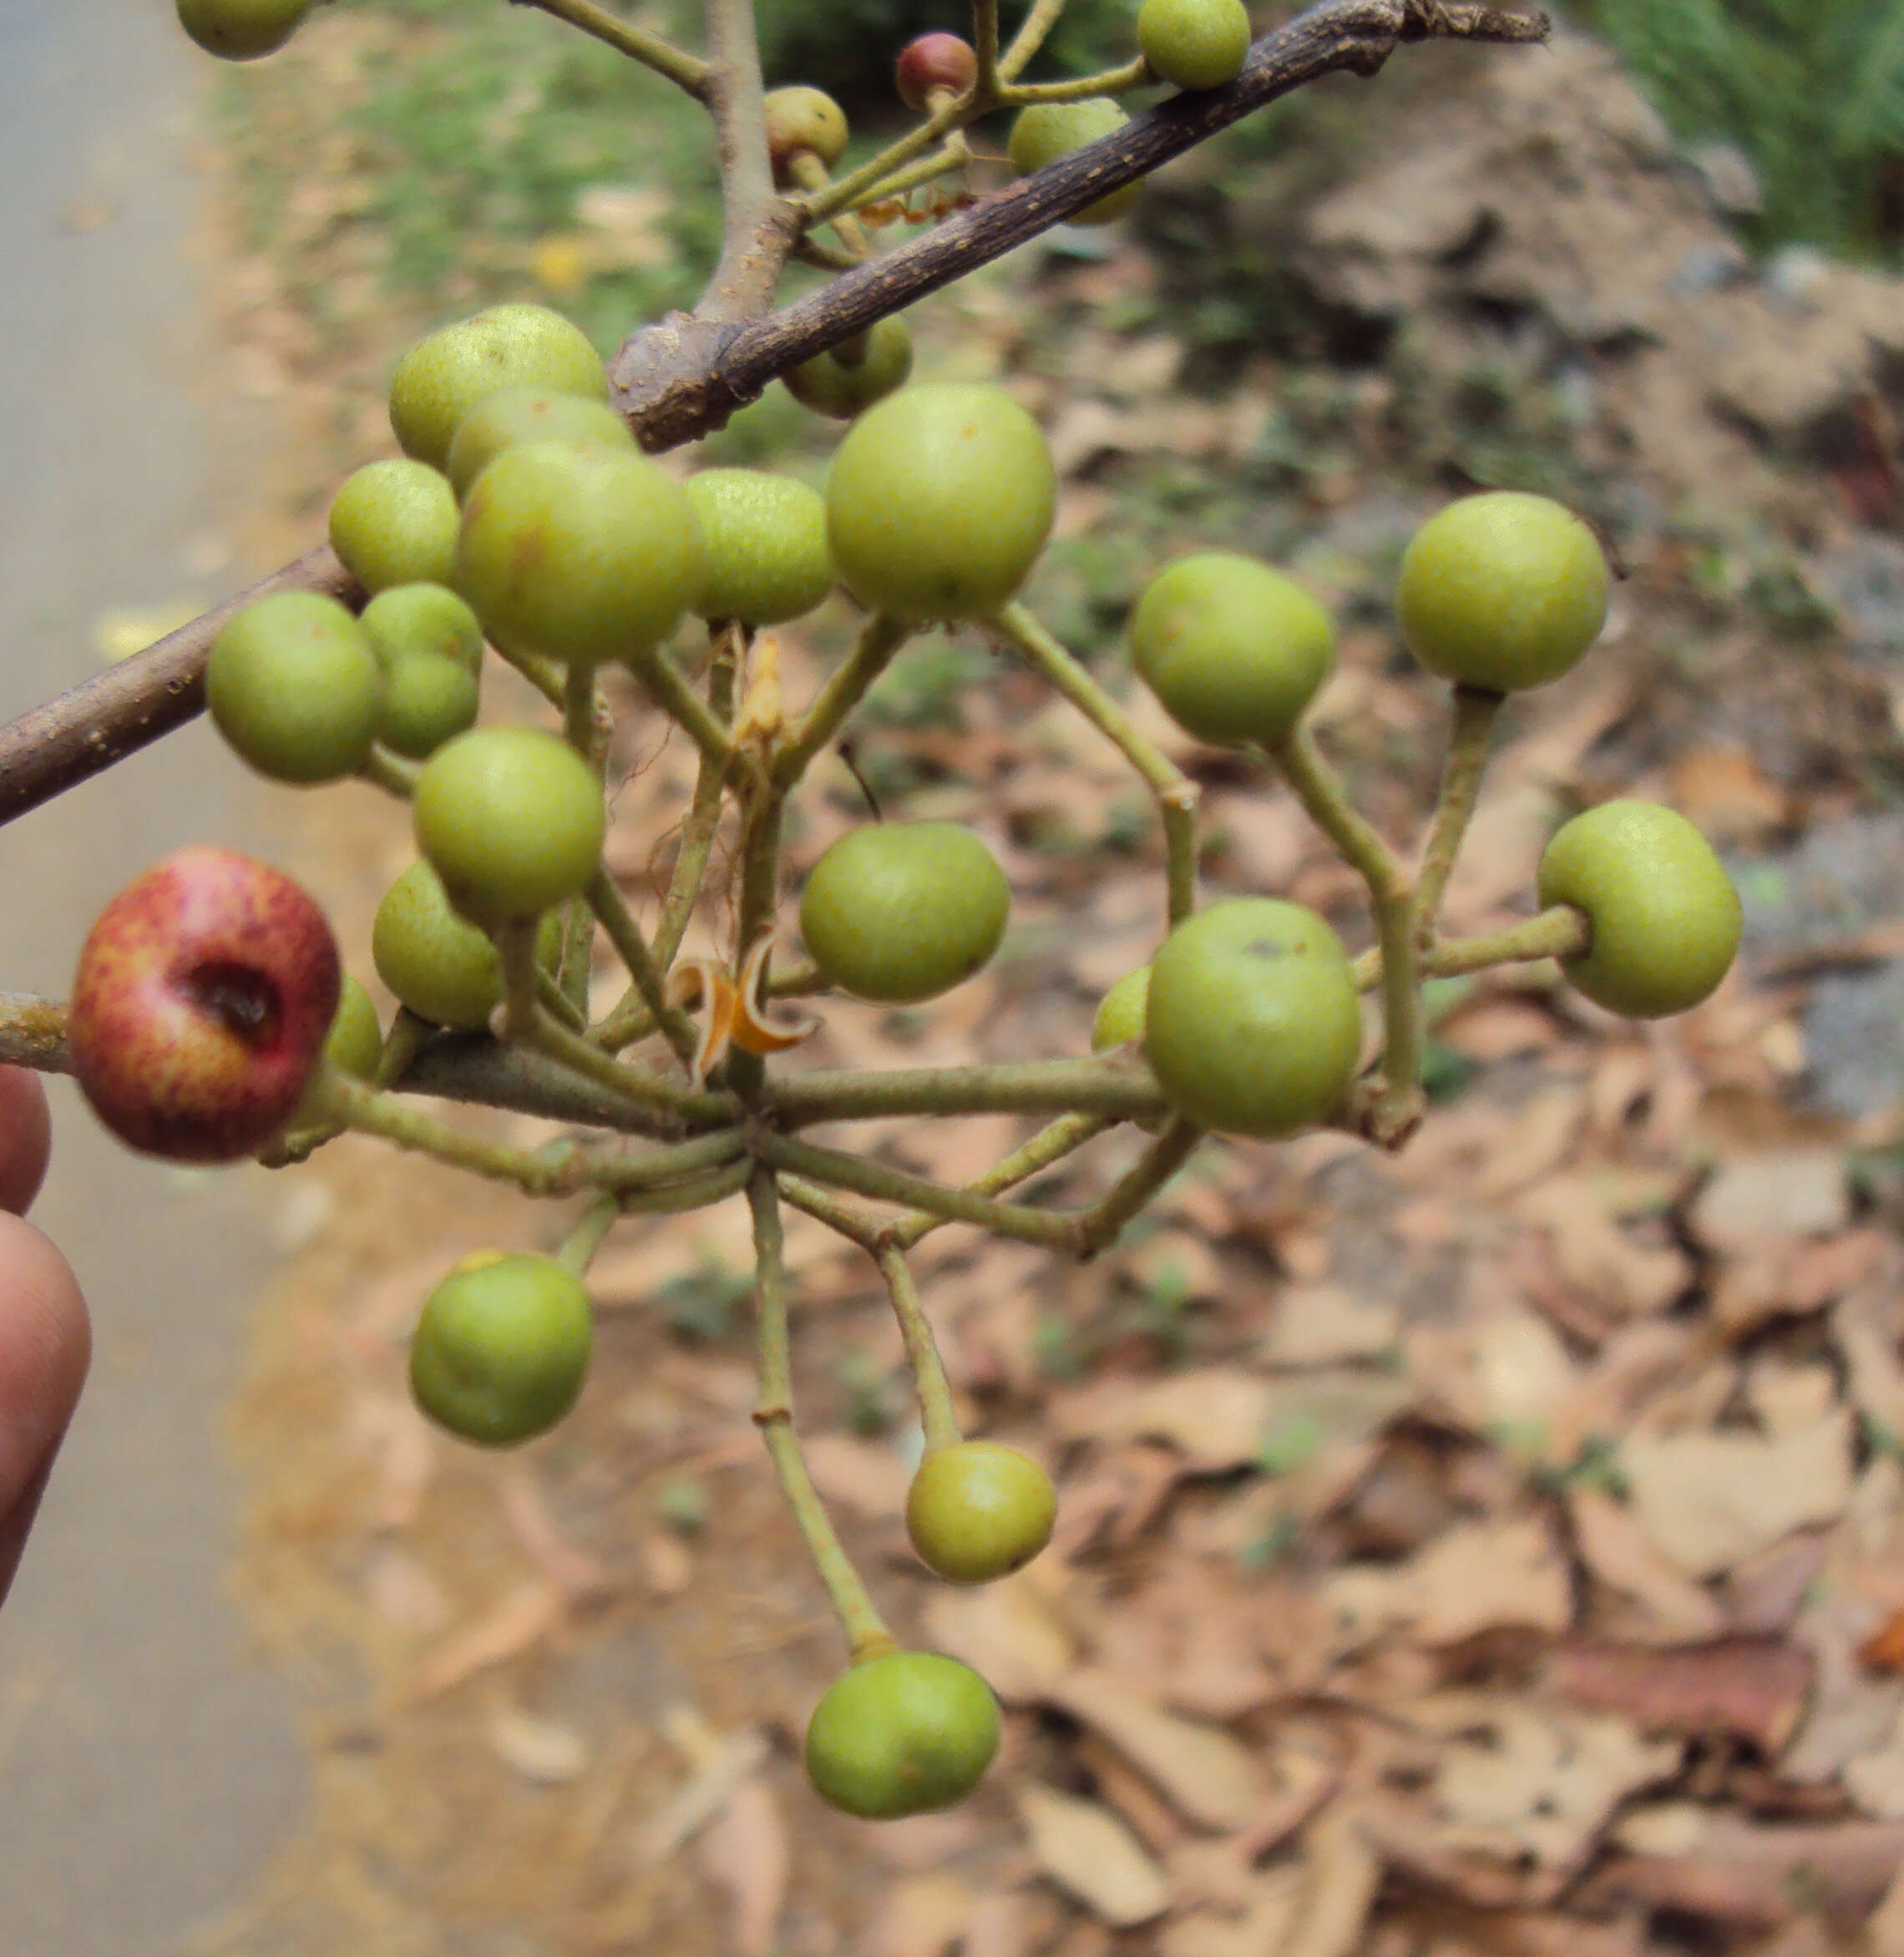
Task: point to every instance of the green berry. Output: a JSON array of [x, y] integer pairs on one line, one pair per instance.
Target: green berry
[[354, 1045], [242, 30], [517, 415], [907, 1733], [578, 553], [1666, 920], [806, 119], [427, 700], [765, 539], [428, 619], [1235, 651], [294, 687], [979, 1510], [1252, 1026], [513, 819], [442, 378], [938, 502], [1121, 1012], [846, 380], [394, 522], [1047, 130], [1502, 591], [442, 968], [502, 1348], [901, 912], [1195, 43]]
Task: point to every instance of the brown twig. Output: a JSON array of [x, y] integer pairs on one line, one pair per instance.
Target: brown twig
[[686, 375]]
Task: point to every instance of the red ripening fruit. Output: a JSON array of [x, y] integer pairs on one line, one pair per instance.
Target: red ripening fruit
[[205, 992], [930, 64]]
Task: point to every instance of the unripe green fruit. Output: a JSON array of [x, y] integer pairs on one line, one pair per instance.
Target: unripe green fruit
[[1047, 130], [428, 619], [1235, 651], [517, 415], [938, 502], [1252, 1026], [294, 687], [578, 553], [1121, 1012], [442, 378], [832, 383], [1195, 43], [766, 540], [908, 1733], [354, 1045], [977, 1511], [901, 912], [443, 969], [1502, 591], [806, 118], [242, 30], [513, 819], [1665, 918], [427, 700], [394, 522], [502, 1348]]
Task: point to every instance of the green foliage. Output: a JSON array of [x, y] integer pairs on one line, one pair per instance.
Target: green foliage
[[1812, 90]]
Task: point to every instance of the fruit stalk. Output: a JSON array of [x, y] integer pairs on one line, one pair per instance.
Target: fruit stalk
[[1476, 713], [1101, 1226], [579, 1247], [1106, 1089], [687, 72], [845, 688], [936, 1413], [703, 816], [1175, 794], [625, 934], [866, 1633]]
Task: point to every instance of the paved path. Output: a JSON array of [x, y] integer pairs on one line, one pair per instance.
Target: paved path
[[148, 1764]]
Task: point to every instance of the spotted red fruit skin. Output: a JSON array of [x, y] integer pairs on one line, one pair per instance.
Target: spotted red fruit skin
[[203, 995], [933, 63]]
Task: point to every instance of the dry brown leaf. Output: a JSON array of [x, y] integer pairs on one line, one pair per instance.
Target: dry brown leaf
[[1616, 1549], [1775, 1193], [1514, 1779], [1006, 1632], [1341, 1873], [1216, 1416], [1207, 1775], [1256, 1922], [523, 1618], [1483, 1575], [1541, 1139], [543, 1751], [746, 1853], [1723, 792], [719, 1767], [1323, 1325], [1708, 1500], [1498, 1029], [1093, 1857], [924, 1916], [862, 1476], [1754, 1688], [1629, 1279]]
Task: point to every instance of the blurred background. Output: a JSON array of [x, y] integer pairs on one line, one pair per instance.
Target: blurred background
[[1494, 1550]]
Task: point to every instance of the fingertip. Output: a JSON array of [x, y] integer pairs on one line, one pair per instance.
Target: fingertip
[[26, 1138], [46, 1343]]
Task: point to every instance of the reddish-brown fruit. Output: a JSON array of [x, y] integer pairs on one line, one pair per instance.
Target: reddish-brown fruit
[[931, 64], [205, 992]]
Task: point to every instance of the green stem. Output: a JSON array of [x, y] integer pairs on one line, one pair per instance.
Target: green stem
[[407, 1034], [956, 156], [1119, 1089], [1560, 933], [668, 1199], [846, 191], [936, 1412], [625, 934], [703, 817], [895, 1185], [1099, 1225], [547, 677], [984, 45], [686, 71], [580, 1245], [1110, 81], [1032, 32], [579, 726], [662, 679], [1392, 1111], [1047, 1147], [619, 1077], [1175, 793], [1475, 714], [869, 658], [656, 1168], [390, 771], [866, 1633], [353, 1105], [515, 953]]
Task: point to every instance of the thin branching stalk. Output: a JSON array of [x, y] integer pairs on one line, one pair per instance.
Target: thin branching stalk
[[1110, 81], [1176, 795], [1101, 1226], [625, 934], [1045, 1149], [703, 816], [937, 1414], [1560, 933], [1477, 712], [1119, 1089], [866, 1633], [686, 71], [845, 688], [579, 1247], [1033, 32]]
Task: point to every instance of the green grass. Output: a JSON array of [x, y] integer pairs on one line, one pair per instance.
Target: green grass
[[1812, 91]]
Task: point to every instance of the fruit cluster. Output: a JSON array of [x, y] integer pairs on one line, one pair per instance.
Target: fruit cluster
[[210, 1020]]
